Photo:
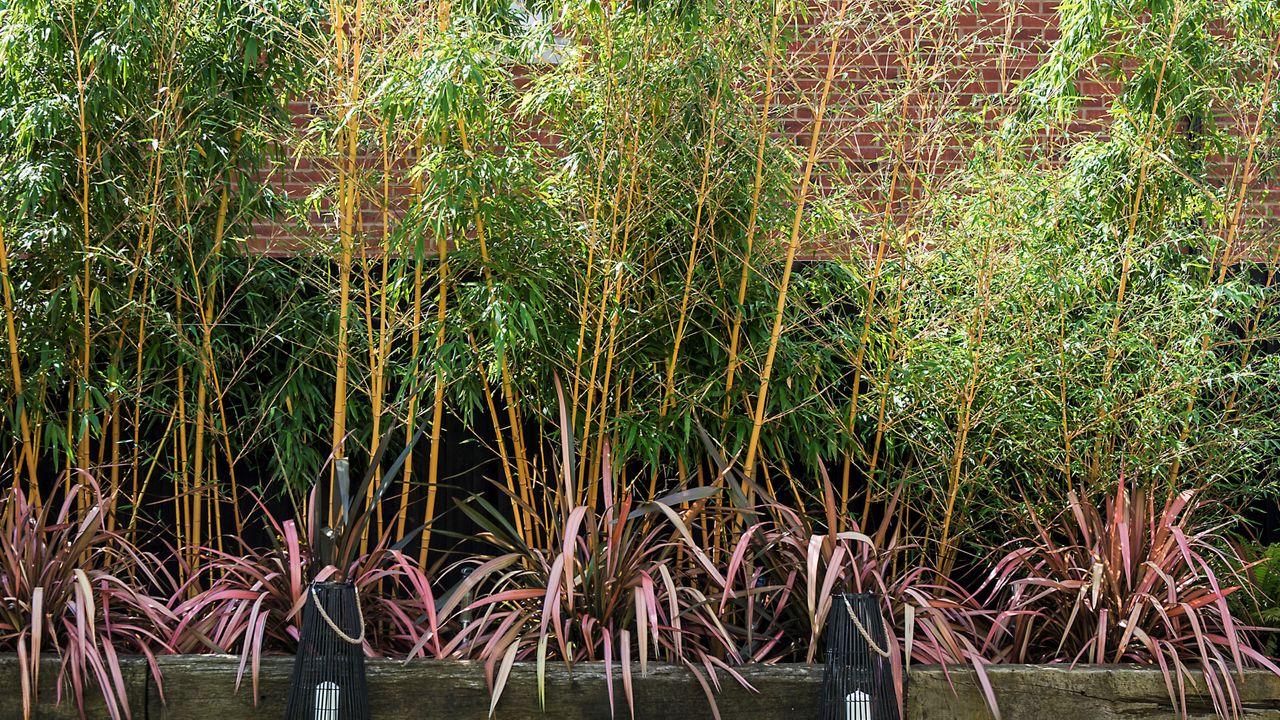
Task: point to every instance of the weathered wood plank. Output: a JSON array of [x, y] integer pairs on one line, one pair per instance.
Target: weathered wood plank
[[203, 687], [1033, 692], [458, 690], [47, 706]]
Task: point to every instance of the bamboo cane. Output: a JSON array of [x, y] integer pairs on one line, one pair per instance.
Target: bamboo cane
[[1126, 262], [378, 349], [208, 371], [619, 291], [348, 198], [593, 237], [213, 377], [598, 336], [86, 294], [753, 216], [609, 288], [881, 426], [437, 408], [693, 259], [1233, 225], [508, 392], [415, 341], [181, 496], [946, 547], [873, 286], [794, 243], [158, 128], [520, 499], [402, 514], [147, 241], [28, 454], [618, 294]]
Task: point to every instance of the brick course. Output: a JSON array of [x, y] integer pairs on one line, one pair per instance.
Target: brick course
[[1004, 41]]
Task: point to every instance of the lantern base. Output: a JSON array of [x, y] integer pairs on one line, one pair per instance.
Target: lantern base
[[328, 671], [858, 681]]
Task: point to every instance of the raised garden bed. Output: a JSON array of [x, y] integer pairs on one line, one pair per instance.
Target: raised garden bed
[[203, 688]]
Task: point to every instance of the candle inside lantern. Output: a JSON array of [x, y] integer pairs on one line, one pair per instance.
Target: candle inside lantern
[[857, 706], [327, 694]]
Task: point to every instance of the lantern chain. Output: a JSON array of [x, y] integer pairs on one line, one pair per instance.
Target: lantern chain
[[334, 626], [882, 652]]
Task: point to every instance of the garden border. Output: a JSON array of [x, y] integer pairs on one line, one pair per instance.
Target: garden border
[[203, 686]]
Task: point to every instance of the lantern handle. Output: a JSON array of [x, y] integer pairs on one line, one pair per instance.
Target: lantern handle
[[334, 626], [882, 652]]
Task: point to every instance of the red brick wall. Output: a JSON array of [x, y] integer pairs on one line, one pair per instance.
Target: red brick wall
[[986, 49]]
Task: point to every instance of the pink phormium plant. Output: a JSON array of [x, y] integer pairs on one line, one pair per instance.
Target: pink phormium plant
[[251, 602], [1129, 582], [609, 587], [74, 589], [248, 601], [784, 571], [618, 584]]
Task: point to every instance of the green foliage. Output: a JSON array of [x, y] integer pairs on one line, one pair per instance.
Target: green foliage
[[1047, 307], [1267, 577], [150, 111], [586, 176], [1162, 568], [1068, 321], [1263, 603]]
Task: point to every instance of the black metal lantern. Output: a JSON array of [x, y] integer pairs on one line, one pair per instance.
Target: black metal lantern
[[858, 681], [328, 672]]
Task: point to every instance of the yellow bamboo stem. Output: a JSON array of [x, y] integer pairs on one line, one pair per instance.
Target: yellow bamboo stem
[[148, 231], [182, 498], [753, 216], [593, 237], [28, 454], [348, 198], [1131, 231], [378, 348], [794, 244], [411, 417], [618, 292], [598, 337], [693, 260], [1233, 227], [518, 495], [205, 301], [82, 157], [437, 409], [610, 279]]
